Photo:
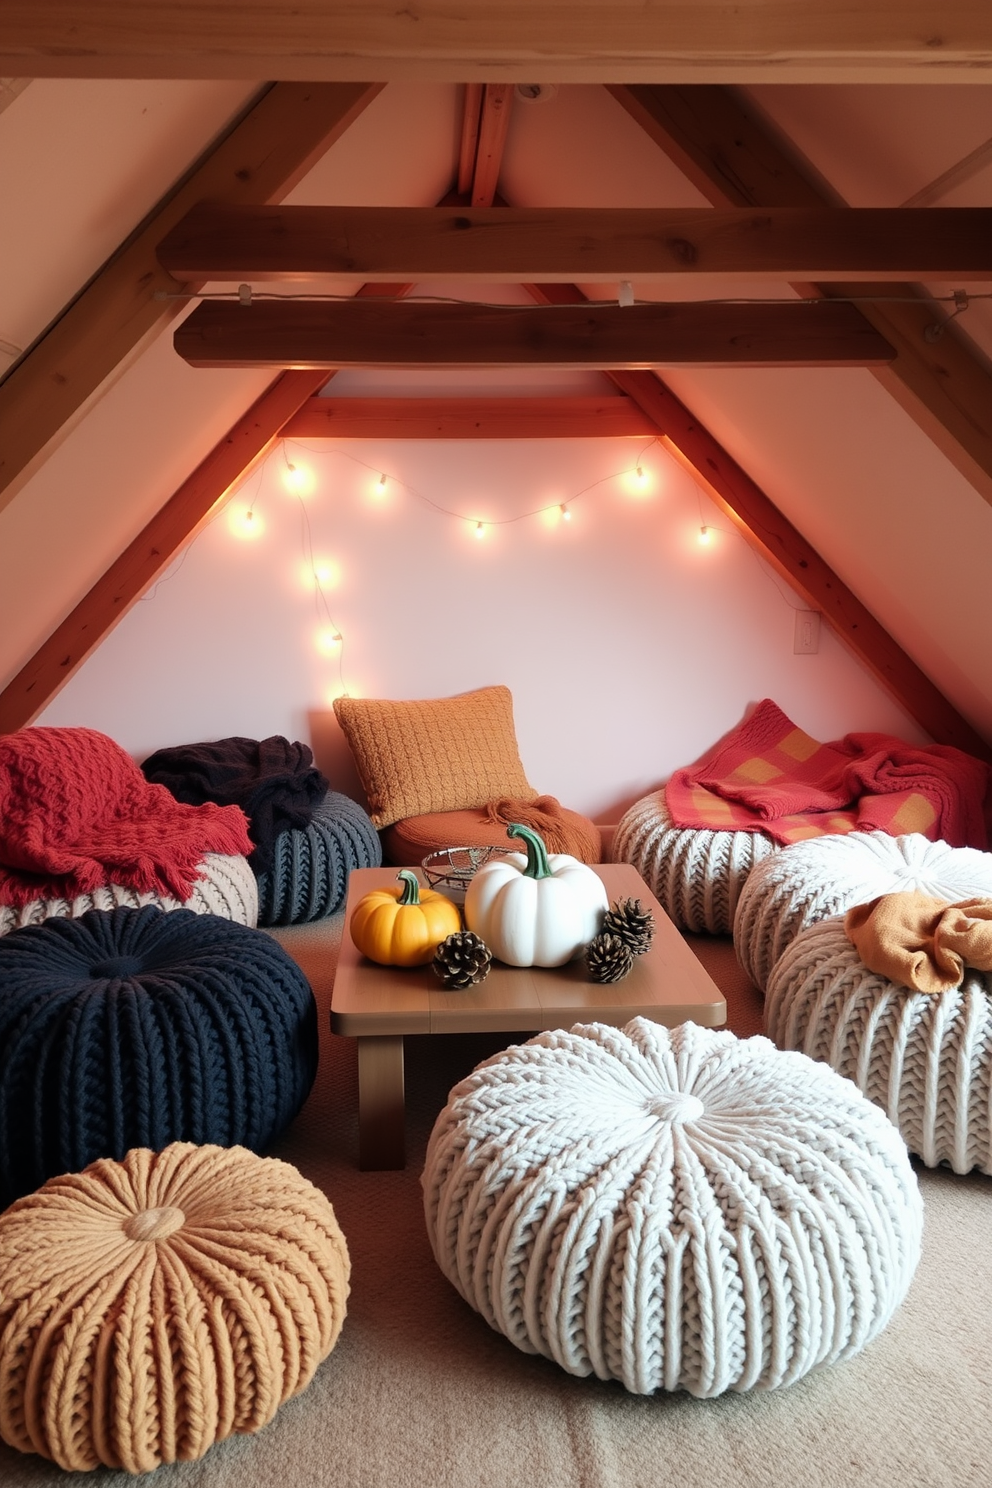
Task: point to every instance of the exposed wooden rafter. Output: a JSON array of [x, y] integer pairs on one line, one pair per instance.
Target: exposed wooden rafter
[[568, 243], [583, 41], [259, 160], [469, 144], [734, 161], [470, 418], [497, 100], [355, 333]]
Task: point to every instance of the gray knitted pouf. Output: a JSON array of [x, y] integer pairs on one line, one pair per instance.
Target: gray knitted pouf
[[227, 888], [924, 1059], [696, 875], [672, 1208], [309, 876], [810, 881]]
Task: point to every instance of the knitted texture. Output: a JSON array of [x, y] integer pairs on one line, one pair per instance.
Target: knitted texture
[[309, 877], [696, 875], [810, 881], [152, 1307], [227, 887], [443, 754], [924, 1060], [134, 1028], [674, 1209], [76, 813]]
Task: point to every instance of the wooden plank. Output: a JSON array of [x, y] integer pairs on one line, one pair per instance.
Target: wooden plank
[[176, 522], [944, 385], [318, 333], [581, 41], [469, 144], [527, 245], [469, 418], [775, 539], [496, 104], [259, 160]]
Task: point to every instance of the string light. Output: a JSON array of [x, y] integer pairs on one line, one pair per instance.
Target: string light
[[705, 534], [297, 479], [480, 529], [381, 483], [328, 640], [566, 515]]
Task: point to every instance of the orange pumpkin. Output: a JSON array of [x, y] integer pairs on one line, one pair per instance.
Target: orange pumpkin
[[403, 926]]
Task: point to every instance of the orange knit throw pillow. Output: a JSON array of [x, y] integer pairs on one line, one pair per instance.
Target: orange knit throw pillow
[[445, 754], [153, 1306]]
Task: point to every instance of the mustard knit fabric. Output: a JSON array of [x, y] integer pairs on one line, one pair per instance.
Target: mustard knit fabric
[[154, 1306], [441, 754]]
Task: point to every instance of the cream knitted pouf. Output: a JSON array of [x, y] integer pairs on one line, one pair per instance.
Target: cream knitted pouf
[[925, 1060], [825, 876], [152, 1307], [674, 1209], [695, 875], [227, 888]]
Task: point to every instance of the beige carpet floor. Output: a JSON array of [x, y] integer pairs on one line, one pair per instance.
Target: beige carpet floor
[[419, 1393]]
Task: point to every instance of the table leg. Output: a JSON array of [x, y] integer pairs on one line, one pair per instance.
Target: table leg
[[381, 1110]]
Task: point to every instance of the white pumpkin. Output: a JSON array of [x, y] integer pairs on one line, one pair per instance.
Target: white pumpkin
[[538, 910]]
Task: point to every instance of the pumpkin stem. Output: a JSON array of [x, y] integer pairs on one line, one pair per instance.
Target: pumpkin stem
[[537, 854], [411, 888]]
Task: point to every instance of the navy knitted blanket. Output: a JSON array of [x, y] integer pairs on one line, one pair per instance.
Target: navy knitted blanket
[[274, 782]]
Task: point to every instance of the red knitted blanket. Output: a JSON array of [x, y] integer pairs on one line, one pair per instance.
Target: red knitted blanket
[[768, 776], [76, 813]]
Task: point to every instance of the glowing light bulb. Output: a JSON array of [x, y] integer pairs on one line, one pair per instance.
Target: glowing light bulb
[[639, 472], [705, 534], [245, 524], [381, 483], [328, 640], [566, 515], [480, 529], [298, 479]]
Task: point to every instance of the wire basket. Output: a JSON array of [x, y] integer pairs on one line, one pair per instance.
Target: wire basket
[[450, 870]]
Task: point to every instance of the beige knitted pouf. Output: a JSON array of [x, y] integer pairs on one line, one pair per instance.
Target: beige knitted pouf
[[925, 1060], [227, 888], [810, 881], [695, 875], [674, 1209], [151, 1307]]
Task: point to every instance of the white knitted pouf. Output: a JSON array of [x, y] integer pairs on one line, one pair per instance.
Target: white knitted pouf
[[809, 881], [695, 875], [228, 888], [925, 1060], [672, 1208]]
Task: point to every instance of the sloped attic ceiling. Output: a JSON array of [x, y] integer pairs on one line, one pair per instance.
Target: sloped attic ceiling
[[81, 161]]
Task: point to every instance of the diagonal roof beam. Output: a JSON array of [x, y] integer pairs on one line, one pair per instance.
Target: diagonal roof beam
[[734, 161], [259, 160], [495, 121]]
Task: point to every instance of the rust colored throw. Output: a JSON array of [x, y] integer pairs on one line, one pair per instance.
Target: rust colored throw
[[154, 1306], [76, 813], [562, 831], [769, 776], [920, 942]]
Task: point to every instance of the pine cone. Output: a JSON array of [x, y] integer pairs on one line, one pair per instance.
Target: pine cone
[[608, 958], [632, 922], [462, 960]]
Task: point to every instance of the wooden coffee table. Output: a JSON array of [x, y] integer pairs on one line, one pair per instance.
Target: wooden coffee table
[[379, 1005]]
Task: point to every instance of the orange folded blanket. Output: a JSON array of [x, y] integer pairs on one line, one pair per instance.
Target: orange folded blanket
[[561, 831], [769, 776], [76, 813], [919, 942]]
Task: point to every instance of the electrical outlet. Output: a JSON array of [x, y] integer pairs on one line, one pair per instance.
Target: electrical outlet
[[807, 640]]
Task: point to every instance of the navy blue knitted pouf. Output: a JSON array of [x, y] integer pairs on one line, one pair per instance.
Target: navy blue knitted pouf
[[136, 1028], [309, 877]]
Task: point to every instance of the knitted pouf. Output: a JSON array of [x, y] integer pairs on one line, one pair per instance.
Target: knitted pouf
[[309, 876], [674, 1209], [810, 881], [924, 1059], [134, 1028], [152, 1307], [226, 887], [695, 875]]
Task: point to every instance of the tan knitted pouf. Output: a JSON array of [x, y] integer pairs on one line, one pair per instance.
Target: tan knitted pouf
[[696, 875], [926, 1060], [227, 887], [152, 1307]]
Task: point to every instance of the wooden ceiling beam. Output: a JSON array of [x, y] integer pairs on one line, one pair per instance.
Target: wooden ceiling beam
[[352, 333], [608, 417], [497, 101], [437, 41], [524, 245], [469, 143], [774, 538], [259, 160], [944, 384]]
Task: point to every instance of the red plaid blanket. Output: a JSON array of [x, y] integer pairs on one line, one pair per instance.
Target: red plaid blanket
[[769, 776]]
